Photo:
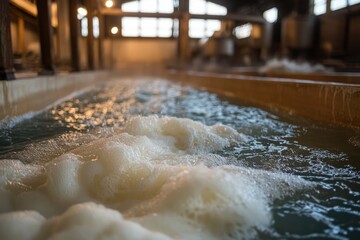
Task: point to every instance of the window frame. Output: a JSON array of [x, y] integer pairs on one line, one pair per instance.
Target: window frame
[[209, 17], [341, 7], [95, 29], [172, 35], [206, 27], [159, 14], [314, 7], [157, 18], [328, 6]]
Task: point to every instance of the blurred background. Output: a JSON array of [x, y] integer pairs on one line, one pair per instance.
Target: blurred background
[[182, 34]]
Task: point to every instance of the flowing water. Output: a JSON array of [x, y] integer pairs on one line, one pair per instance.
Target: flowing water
[[152, 159]]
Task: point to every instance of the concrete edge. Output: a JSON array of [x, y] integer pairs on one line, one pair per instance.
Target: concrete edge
[[22, 96], [328, 102]]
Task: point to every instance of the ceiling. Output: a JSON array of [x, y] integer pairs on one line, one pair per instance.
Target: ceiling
[[232, 5], [249, 7], [236, 5]]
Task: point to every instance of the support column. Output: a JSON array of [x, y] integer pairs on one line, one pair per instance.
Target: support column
[[302, 7], [6, 54], [183, 39], [90, 37], [74, 36], [101, 40], [21, 35], [63, 35], [347, 32], [285, 8], [328, 6], [46, 33]]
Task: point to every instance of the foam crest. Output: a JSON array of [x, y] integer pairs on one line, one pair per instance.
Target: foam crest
[[210, 201], [156, 178], [20, 225], [63, 183], [226, 202], [93, 221], [289, 66], [188, 135]]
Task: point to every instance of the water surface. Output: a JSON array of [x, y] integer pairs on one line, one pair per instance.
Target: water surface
[[326, 156]]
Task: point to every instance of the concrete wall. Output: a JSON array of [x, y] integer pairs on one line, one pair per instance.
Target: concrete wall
[[121, 53], [328, 102], [35, 94]]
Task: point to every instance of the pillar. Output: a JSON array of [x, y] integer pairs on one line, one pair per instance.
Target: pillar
[[6, 54], [21, 35], [101, 40], [74, 35], [63, 35], [183, 38], [46, 33], [90, 37]]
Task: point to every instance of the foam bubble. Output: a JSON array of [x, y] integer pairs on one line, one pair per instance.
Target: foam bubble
[[188, 135], [156, 178], [63, 183], [92, 221], [227, 202], [20, 225], [288, 66]]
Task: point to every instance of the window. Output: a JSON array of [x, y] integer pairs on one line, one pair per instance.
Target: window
[[243, 31], [130, 6], [130, 27], [205, 7], [146, 27], [319, 7], [84, 27], [201, 28], [149, 6], [84, 23], [165, 26], [338, 4], [271, 15], [96, 30], [353, 2]]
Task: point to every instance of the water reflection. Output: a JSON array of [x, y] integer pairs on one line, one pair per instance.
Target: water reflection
[[326, 156]]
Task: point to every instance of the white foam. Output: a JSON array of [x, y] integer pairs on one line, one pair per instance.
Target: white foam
[[289, 66], [20, 225], [156, 178]]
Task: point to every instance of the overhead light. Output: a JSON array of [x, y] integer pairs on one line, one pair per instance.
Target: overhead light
[[243, 31], [114, 30], [271, 15], [82, 12], [109, 3]]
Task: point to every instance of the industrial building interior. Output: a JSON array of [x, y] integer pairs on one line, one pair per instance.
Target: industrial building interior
[[179, 119], [196, 35]]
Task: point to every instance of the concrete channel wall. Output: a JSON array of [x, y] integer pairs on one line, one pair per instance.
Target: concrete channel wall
[[329, 102], [22, 96]]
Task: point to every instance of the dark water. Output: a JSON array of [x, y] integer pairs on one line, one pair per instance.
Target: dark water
[[324, 155]]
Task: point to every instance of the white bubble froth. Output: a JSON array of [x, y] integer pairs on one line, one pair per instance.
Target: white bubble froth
[[156, 178], [289, 66]]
